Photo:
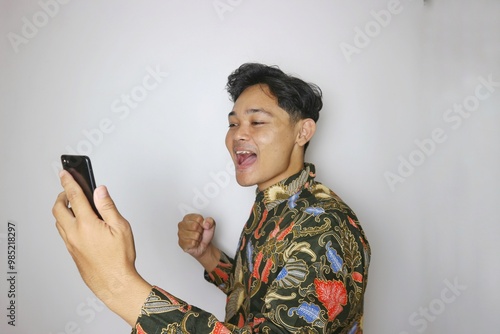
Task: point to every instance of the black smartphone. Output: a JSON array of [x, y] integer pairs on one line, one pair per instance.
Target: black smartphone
[[80, 167]]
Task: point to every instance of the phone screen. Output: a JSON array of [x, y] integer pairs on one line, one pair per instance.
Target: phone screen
[[80, 167]]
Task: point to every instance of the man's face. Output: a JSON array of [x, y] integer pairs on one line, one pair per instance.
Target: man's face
[[262, 140]]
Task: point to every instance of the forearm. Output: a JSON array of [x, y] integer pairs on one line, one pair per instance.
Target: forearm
[[210, 259]]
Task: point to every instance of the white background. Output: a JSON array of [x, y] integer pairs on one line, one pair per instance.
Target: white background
[[435, 226]]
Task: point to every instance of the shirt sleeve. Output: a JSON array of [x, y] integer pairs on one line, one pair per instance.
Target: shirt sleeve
[[220, 275], [164, 313]]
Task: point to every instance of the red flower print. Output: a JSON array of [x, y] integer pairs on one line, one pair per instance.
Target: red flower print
[[241, 321], [258, 321], [256, 234], [256, 265], [357, 277], [139, 329], [183, 307], [276, 229], [266, 270], [352, 222], [220, 329], [222, 274], [285, 232], [333, 295]]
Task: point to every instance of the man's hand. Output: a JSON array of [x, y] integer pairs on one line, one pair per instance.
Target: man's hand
[[103, 250], [195, 238]]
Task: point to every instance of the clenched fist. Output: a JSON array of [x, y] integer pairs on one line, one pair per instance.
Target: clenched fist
[[195, 238]]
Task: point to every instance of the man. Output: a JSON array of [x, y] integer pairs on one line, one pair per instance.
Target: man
[[302, 261]]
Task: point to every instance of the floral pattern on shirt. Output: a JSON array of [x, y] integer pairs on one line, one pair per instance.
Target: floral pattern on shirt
[[301, 267]]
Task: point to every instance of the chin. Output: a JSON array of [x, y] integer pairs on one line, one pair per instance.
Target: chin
[[244, 183]]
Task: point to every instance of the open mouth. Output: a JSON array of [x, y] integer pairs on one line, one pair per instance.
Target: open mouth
[[245, 159]]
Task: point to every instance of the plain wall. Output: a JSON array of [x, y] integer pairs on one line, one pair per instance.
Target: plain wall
[[408, 137]]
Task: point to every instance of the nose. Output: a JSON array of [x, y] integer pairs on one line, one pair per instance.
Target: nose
[[241, 132]]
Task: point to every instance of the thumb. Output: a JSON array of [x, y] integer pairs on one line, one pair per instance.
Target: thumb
[[208, 223], [208, 231], [105, 205]]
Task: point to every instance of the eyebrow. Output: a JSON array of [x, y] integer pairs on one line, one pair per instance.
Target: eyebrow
[[251, 111]]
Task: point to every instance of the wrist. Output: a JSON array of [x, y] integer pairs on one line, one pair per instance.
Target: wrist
[[126, 295], [210, 258]]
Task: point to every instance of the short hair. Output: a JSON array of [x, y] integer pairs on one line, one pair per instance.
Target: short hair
[[298, 98]]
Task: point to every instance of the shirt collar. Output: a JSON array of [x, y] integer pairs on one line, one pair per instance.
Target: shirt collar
[[281, 191]]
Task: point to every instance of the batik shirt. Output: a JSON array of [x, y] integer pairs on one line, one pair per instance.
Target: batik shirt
[[301, 267]]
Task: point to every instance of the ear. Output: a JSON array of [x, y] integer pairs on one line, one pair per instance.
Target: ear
[[307, 128]]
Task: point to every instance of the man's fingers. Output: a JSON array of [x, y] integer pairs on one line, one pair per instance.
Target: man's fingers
[[65, 220], [193, 218], [61, 231], [74, 194], [190, 223], [191, 232], [190, 235], [195, 233], [106, 206]]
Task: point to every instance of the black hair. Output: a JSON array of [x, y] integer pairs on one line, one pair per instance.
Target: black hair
[[300, 99]]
